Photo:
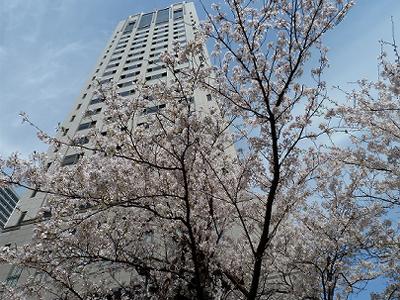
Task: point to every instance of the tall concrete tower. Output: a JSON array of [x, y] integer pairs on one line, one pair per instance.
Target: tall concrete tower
[[132, 53]]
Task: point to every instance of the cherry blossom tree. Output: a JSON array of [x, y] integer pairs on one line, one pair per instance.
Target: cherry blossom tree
[[167, 209], [262, 52], [342, 240], [372, 123]]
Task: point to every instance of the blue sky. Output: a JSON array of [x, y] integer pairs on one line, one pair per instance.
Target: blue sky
[[48, 48]]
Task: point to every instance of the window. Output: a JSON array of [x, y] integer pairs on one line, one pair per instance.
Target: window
[[6, 204], [72, 118], [159, 41], [143, 124], [81, 141], [118, 52], [105, 81], [154, 61], [138, 47], [209, 98], [125, 35], [120, 47], [65, 131], [160, 35], [122, 44], [178, 14], [178, 29], [178, 22], [156, 68], [109, 72], [136, 53], [153, 109], [140, 42], [145, 20], [155, 54], [71, 159], [155, 37], [156, 76], [157, 32], [129, 27], [179, 26], [84, 96], [162, 16], [125, 84], [140, 39], [89, 113], [89, 86], [133, 60], [179, 32], [96, 100], [140, 35], [159, 28], [14, 275], [3, 216], [124, 40], [126, 93], [115, 58], [180, 36], [86, 125], [11, 194], [79, 105], [159, 47], [132, 67], [3, 219], [130, 75], [112, 65]]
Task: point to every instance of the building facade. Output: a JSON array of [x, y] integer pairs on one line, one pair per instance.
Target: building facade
[[8, 201], [131, 54]]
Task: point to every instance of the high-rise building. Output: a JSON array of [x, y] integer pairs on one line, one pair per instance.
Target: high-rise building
[[8, 201], [131, 54]]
